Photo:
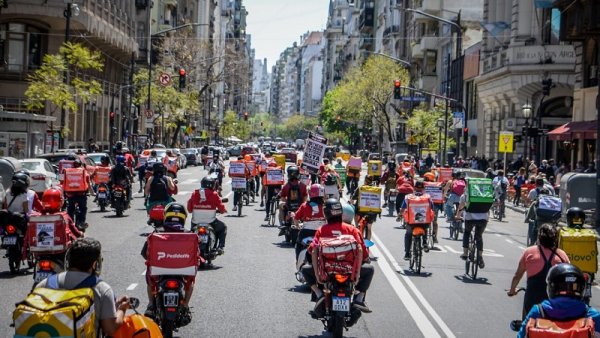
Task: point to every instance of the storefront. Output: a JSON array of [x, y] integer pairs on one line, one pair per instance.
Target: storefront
[[577, 139], [24, 135]]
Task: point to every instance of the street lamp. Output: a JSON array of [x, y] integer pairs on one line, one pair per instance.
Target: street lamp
[[526, 109], [440, 124], [72, 10]]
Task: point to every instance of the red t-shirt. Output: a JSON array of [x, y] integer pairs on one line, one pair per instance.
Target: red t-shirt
[[286, 189], [313, 218], [212, 201], [338, 229]]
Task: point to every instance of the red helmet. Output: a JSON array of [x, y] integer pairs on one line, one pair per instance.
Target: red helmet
[[53, 200], [316, 190]]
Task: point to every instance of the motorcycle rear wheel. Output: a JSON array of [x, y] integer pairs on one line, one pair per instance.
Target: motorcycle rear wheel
[[14, 259], [338, 326], [167, 328]]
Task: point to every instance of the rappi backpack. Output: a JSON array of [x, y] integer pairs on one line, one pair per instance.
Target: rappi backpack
[[338, 255], [547, 328], [52, 312]]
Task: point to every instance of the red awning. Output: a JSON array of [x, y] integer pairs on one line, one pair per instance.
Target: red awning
[[585, 130]]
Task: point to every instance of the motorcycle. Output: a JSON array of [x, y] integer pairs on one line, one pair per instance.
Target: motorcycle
[[302, 259], [137, 324], [286, 229], [103, 196], [207, 239], [167, 303], [391, 201], [339, 314], [13, 228], [47, 265], [119, 199]]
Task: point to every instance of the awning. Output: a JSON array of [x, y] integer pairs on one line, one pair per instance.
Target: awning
[[581, 130]]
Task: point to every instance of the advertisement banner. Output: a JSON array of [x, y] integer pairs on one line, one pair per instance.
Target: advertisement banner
[[313, 152]]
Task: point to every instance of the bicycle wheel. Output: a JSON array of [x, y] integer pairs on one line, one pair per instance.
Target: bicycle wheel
[[469, 260], [418, 248], [451, 227], [475, 260]]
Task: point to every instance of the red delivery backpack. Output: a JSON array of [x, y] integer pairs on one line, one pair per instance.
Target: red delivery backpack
[[546, 328], [172, 254], [47, 234], [338, 255], [418, 209], [75, 180]]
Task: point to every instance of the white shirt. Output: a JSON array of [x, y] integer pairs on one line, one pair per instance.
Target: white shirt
[[472, 216], [16, 205]]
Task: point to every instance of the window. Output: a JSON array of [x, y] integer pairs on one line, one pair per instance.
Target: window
[[551, 26], [20, 47], [430, 62], [471, 100]]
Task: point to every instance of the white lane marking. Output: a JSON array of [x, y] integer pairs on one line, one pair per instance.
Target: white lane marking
[[183, 192], [498, 235], [131, 287], [509, 241], [411, 305], [522, 247], [229, 194], [144, 273], [436, 317], [491, 253], [438, 248], [190, 181], [452, 250]]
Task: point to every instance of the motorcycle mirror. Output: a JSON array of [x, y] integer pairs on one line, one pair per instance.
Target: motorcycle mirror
[[515, 325], [307, 241], [134, 303], [224, 199]]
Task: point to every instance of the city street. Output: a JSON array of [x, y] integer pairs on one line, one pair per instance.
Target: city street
[[252, 291]]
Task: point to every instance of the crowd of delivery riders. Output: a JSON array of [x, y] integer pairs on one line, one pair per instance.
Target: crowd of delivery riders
[[312, 204]]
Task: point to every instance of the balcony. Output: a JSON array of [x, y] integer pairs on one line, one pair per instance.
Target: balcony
[[427, 42], [530, 56], [429, 6]]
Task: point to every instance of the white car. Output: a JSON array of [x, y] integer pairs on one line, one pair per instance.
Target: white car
[[42, 174]]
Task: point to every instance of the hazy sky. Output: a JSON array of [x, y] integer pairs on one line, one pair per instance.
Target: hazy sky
[[276, 24]]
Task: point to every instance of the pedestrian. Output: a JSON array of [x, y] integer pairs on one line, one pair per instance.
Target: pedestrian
[[518, 184], [591, 168], [536, 261]]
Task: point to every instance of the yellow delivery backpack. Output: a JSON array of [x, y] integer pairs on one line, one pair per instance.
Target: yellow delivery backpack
[[580, 246], [52, 312], [369, 199]]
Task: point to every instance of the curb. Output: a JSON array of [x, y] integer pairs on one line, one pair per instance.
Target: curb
[[517, 209]]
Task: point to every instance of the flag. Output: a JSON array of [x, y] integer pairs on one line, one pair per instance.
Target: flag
[[543, 3], [494, 28]]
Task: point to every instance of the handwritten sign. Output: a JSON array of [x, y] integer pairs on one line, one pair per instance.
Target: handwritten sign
[[313, 152]]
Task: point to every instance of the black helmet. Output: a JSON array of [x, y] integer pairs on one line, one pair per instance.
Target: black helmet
[[105, 160], [20, 180], [419, 184], [293, 172], [565, 280], [575, 217], [333, 209], [153, 153], [159, 168], [455, 173], [207, 183], [77, 163], [391, 165], [174, 217]]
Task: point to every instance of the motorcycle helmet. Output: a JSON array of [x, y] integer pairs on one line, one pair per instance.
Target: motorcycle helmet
[[20, 180], [347, 213], [159, 168], [169, 153], [391, 165], [27, 173], [293, 172], [153, 153], [207, 183], [248, 157], [53, 200], [429, 177], [333, 210], [105, 160], [120, 159], [315, 191], [565, 280], [419, 184], [174, 217], [575, 217]]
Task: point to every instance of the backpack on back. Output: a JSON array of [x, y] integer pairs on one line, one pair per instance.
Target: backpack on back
[[546, 328], [458, 187], [480, 195], [75, 180], [338, 255], [548, 206], [158, 189], [52, 312]]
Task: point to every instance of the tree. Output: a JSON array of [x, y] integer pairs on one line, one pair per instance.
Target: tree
[[423, 127], [47, 83], [297, 126]]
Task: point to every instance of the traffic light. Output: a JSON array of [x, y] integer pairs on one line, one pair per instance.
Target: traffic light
[[111, 117], [465, 134], [397, 86], [181, 78], [546, 86], [246, 116]]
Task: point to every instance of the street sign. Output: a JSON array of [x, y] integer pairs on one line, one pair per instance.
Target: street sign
[[413, 98], [149, 113], [505, 142], [458, 120], [164, 79]]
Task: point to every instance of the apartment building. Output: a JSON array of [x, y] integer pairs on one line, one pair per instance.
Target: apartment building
[[261, 86]]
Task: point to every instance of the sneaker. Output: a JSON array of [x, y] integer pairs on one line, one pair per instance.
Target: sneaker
[[384, 205], [362, 307], [463, 257], [481, 263], [262, 204], [234, 208], [281, 232], [140, 191], [149, 311], [220, 251], [319, 310], [407, 256], [266, 218]]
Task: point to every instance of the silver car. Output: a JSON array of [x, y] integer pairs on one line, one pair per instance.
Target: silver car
[[42, 174]]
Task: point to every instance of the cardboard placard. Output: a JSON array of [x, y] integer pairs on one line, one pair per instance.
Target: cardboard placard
[[435, 192], [274, 176], [237, 169], [238, 183], [445, 174], [355, 163], [313, 152], [374, 168], [369, 199]]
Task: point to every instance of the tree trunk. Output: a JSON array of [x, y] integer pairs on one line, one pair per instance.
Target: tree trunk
[[176, 134]]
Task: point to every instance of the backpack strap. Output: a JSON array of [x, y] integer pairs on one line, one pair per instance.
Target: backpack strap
[[541, 309], [90, 281]]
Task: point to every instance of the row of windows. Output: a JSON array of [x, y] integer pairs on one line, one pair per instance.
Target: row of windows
[[21, 47]]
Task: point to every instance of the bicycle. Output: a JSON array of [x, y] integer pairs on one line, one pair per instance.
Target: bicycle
[[455, 225], [274, 207], [498, 209], [416, 255], [472, 261]]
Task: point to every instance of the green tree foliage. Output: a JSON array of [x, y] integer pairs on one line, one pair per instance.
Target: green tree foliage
[[364, 94], [297, 126], [234, 126], [46, 84], [423, 127]]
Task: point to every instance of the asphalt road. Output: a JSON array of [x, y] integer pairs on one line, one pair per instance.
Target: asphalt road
[[252, 291]]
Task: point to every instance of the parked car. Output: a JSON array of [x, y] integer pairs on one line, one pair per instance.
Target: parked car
[[290, 154], [8, 166], [181, 160], [249, 150], [42, 174], [97, 158], [192, 156], [160, 153], [234, 151], [54, 158]]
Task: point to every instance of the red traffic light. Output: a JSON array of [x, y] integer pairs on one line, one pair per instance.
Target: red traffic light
[[396, 83], [181, 72], [466, 130], [111, 115]]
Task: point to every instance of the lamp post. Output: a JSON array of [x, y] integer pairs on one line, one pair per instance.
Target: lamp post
[[440, 124], [526, 110], [71, 10]]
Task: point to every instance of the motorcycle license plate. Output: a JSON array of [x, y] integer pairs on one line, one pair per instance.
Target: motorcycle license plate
[[9, 240], [118, 194], [340, 304], [101, 195], [41, 275], [170, 299], [204, 238]]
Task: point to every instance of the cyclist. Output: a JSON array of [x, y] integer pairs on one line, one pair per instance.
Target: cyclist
[[217, 166], [293, 194], [405, 186], [352, 178], [476, 221], [438, 201], [566, 285], [500, 184], [453, 190], [310, 214], [419, 193], [206, 198], [389, 178], [270, 190], [78, 198]]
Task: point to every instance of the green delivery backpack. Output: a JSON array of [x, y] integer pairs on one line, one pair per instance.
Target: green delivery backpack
[[480, 195]]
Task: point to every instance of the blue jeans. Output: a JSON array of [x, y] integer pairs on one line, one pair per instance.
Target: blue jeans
[[452, 199], [80, 200]]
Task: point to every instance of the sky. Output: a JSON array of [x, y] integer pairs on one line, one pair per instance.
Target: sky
[[277, 24]]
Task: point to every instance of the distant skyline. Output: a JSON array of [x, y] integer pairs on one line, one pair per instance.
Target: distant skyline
[[277, 24]]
